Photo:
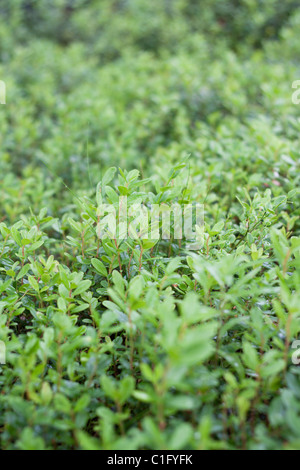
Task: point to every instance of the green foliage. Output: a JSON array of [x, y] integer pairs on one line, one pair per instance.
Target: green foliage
[[136, 343]]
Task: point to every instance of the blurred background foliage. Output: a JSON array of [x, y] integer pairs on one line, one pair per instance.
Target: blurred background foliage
[[123, 82], [109, 26]]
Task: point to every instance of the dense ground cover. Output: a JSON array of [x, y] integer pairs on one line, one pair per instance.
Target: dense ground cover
[[131, 344]]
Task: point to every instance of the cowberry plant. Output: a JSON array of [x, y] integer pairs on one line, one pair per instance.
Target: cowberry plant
[[131, 342], [114, 345]]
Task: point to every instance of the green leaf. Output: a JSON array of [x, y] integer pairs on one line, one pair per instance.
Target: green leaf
[[23, 272], [108, 176], [83, 287], [82, 403], [250, 356], [34, 284], [99, 266]]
